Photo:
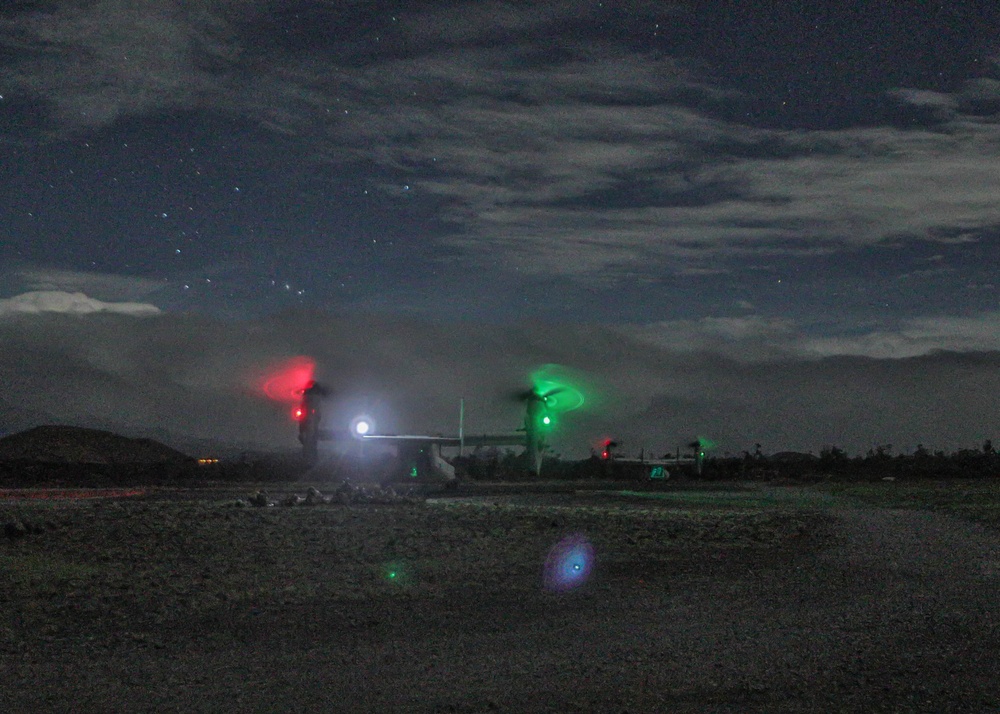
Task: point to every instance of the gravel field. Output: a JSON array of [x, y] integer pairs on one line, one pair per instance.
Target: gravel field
[[736, 600]]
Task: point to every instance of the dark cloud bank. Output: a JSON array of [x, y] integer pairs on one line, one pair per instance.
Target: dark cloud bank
[[183, 378]]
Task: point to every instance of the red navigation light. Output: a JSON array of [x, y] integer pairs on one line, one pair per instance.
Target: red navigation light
[[298, 413]]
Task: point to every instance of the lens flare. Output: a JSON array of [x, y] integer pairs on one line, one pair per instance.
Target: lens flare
[[569, 564], [397, 573]]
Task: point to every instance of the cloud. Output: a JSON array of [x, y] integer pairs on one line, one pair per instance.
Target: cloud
[[755, 338], [925, 98], [97, 62], [483, 22], [42, 301], [580, 157], [920, 336], [603, 164], [752, 338], [105, 285]]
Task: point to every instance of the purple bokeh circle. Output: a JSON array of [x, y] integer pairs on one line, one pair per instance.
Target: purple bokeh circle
[[569, 564]]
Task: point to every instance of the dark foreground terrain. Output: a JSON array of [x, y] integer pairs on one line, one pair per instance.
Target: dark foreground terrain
[[732, 600]]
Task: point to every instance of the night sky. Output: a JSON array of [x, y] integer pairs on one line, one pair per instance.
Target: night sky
[[774, 226]]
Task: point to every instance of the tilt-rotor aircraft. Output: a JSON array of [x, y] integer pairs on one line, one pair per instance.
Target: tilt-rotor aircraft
[[544, 402], [658, 467]]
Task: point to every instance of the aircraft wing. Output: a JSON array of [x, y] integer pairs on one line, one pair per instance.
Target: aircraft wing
[[471, 440]]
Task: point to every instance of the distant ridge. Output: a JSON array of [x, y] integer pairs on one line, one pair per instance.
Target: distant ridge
[[792, 456], [77, 445]]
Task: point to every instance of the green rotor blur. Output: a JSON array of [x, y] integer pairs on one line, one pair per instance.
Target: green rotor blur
[[557, 389]]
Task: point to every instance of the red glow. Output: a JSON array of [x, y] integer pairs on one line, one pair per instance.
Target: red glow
[[298, 413], [286, 382], [69, 494]]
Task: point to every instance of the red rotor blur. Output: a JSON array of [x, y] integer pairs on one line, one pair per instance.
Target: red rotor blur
[[286, 382]]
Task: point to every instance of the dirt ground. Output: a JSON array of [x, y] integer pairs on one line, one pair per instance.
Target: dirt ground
[[733, 599]]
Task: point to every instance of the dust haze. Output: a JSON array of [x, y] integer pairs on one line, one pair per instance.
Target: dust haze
[[184, 378]]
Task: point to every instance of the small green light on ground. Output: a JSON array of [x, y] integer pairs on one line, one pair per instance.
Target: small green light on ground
[[398, 573]]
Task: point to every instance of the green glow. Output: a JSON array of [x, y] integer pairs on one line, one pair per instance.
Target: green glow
[[555, 384], [413, 472], [546, 420], [701, 446], [396, 572]]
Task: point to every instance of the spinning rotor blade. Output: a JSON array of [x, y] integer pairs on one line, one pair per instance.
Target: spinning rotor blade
[[537, 395], [551, 393], [701, 444], [286, 381], [552, 385]]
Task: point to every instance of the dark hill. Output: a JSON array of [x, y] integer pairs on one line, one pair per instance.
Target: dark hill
[[76, 445], [791, 457]]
